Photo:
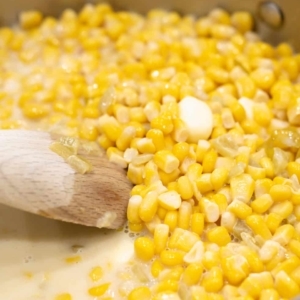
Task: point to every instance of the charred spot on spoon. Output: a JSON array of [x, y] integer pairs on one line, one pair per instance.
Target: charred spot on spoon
[[271, 14]]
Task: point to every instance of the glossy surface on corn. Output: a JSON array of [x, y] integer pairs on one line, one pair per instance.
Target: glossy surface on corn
[[222, 211]]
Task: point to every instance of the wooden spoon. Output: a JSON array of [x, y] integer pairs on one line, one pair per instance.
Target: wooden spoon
[[35, 179]]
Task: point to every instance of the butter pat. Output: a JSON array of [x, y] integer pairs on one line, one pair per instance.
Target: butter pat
[[198, 118]]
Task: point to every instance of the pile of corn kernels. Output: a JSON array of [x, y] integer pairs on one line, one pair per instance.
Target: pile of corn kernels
[[202, 114]]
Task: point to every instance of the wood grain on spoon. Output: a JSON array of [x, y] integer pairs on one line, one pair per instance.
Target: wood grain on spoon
[[37, 180]]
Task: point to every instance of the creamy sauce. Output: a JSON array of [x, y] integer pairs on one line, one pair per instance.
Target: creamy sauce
[[34, 251]]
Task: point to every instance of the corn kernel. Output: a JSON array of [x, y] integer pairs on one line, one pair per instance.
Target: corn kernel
[[257, 224], [218, 235], [65, 296], [262, 204], [166, 161], [96, 274], [240, 209], [197, 223], [285, 285], [171, 219], [161, 234], [99, 290], [144, 248], [213, 280], [171, 258], [140, 293], [156, 268]]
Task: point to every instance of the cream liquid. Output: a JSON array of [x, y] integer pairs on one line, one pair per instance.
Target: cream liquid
[[33, 252]]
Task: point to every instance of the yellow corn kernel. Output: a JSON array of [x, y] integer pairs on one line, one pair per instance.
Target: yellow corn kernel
[[137, 114], [105, 142], [221, 201], [144, 248], [245, 87], [133, 209], [182, 240], [219, 177], [194, 171], [30, 19], [284, 234], [169, 200], [256, 172], [273, 221], [73, 259], [197, 223], [254, 261], [156, 268], [238, 112], [288, 265], [254, 284], [171, 219], [294, 246], [230, 291], [96, 274], [217, 74], [110, 127], [166, 178], [242, 21], [138, 293], [167, 285], [262, 186], [283, 209], [161, 213], [268, 165], [99, 290], [280, 192], [242, 187], [218, 235], [235, 268], [166, 161], [135, 173], [145, 145], [295, 275], [261, 204], [269, 294], [152, 110], [181, 150], [171, 258], [163, 123], [286, 286], [204, 183], [264, 78], [180, 132], [240, 209], [135, 227], [213, 280], [209, 161], [157, 138], [148, 206], [123, 141], [185, 188], [184, 215], [210, 209], [293, 168], [257, 224], [65, 296], [161, 235], [203, 147], [211, 259], [192, 274], [218, 131], [121, 113]]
